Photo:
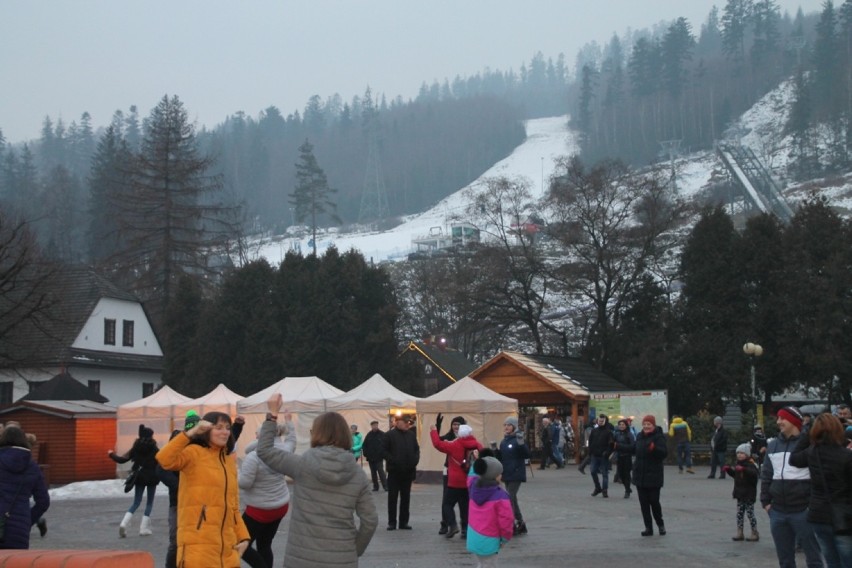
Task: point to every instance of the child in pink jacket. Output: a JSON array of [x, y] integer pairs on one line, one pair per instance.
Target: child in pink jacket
[[490, 518]]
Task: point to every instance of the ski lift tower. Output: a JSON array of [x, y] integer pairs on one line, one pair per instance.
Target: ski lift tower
[[672, 149], [374, 198]]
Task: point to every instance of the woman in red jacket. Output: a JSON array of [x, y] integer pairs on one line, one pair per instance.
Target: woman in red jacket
[[458, 464]]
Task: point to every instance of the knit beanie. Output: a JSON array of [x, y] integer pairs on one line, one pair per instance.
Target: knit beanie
[[465, 431], [650, 418], [488, 468], [792, 415], [192, 418], [511, 420], [744, 449]]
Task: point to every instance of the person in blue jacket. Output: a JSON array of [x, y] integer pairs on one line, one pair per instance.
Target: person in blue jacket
[[513, 455], [20, 479]]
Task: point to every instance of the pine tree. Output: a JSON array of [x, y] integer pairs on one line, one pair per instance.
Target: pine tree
[[677, 47], [107, 185], [736, 17], [312, 196]]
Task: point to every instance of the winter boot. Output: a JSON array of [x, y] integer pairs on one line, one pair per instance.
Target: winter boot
[[605, 494], [754, 536], [145, 527], [125, 522], [662, 528], [739, 535], [649, 531], [522, 528], [627, 494], [452, 531]]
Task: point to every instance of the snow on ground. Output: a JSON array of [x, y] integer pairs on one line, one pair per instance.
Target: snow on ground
[[89, 490], [547, 139]]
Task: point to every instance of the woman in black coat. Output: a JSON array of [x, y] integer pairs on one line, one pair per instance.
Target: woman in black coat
[[623, 444], [823, 451], [143, 455], [20, 479], [651, 451]]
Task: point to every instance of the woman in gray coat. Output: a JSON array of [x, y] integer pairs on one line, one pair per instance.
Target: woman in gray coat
[[332, 490]]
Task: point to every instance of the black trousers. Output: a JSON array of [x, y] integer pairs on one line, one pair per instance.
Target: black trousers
[[399, 490], [452, 496], [649, 503], [261, 535], [377, 470]]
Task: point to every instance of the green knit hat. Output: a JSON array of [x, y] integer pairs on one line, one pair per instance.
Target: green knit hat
[[192, 418]]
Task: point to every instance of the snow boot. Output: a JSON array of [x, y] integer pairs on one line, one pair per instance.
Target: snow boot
[[754, 536], [125, 522], [145, 527], [739, 535]]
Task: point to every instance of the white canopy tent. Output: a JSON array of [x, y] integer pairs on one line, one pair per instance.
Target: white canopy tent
[[483, 409], [220, 399], [374, 399], [157, 412], [304, 397]]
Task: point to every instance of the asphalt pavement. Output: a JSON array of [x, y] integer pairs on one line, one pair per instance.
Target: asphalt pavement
[[567, 526]]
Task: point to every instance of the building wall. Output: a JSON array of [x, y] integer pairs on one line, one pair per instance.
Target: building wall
[[119, 387], [95, 437], [92, 334]]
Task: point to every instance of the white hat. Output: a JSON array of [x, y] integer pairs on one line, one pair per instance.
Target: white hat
[[465, 431]]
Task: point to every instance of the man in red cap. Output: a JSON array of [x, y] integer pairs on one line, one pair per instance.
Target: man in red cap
[[785, 492]]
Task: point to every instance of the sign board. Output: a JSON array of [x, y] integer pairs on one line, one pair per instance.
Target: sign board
[[631, 404]]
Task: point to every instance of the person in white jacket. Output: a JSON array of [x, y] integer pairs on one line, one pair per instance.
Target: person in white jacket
[[266, 496]]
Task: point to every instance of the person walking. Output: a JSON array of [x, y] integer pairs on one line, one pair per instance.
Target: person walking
[[143, 455], [491, 517], [211, 531], [357, 441], [402, 454], [745, 475], [823, 451], [265, 495], [785, 492], [623, 442], [650, 450], [600, 447], [546, 443], [20, 480], [513, 454], [458, 464], [718, 448], [557, 442], [373, 442], [681, 433]]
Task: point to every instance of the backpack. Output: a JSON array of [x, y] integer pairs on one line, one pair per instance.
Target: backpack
[[467, 461]]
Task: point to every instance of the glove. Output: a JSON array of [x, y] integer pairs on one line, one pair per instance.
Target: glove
[[520, 436], [726, 469], [438, 421], [651, 447], [739, 468]]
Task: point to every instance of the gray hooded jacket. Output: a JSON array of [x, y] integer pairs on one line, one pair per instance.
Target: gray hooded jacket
[[331, 489], [260, 485]]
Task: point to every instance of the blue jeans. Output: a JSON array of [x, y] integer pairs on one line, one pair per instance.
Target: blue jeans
[[684, 455], [600, 464], [787, 529], [137, 498], [836, 548], [717, 459]]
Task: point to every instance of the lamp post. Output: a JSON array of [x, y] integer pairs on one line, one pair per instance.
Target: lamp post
[[753, 350]]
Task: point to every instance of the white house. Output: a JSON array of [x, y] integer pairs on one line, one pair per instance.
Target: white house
[[98, 332]]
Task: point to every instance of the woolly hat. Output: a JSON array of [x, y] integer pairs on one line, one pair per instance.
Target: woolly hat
[[744, 449], [192, 418], [465, 431], [792, 415], [650, 418], [458, 420], [488, 468], [717, 420], [145, 432], [511, 420]]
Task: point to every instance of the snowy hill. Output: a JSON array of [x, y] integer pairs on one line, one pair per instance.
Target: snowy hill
[[760, 128]]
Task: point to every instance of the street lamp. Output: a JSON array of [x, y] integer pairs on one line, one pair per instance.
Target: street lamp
[[753, 350]]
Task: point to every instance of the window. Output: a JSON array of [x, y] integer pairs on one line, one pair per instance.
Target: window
[[109, 332], [147, 389], [95, 386], [33, 385], [127, 333], [6, 392]]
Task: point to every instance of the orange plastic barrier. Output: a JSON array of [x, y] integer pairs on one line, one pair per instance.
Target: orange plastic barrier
[[75, 559]]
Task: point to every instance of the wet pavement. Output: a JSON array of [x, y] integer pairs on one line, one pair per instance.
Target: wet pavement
[[566, 527]]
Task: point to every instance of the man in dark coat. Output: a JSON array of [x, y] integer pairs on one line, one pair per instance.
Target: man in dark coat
[[601, 443], [718, 448], [20, 479], [373, 451], [402, 454]]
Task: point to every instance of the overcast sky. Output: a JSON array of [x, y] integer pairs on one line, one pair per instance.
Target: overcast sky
[[64, 57]]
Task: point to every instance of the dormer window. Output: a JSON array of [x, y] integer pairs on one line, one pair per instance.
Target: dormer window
[[109, 332], [127, 333]]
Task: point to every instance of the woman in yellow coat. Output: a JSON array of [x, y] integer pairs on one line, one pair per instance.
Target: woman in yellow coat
[[211, 531]]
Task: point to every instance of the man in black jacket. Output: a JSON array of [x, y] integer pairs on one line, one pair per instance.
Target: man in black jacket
[[600, 447], [402, 454], [373, 449], [718, 448]]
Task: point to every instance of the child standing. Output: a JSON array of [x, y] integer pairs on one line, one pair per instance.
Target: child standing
[[745, 475], [490, 517]]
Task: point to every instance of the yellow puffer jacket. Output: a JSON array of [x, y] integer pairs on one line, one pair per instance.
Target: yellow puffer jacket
[[208, 511]]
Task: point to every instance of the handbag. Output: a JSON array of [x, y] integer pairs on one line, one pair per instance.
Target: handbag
[[841, 512], [131, 480]]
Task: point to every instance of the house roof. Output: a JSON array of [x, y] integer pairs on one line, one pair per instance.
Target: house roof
[[449, 362], [75, 292], [64, 408], [64, 387]]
